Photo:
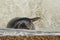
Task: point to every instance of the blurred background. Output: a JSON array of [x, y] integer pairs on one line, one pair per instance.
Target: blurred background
[[48, 10]]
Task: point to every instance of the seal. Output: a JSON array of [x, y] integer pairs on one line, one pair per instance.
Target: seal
[[22, 23]]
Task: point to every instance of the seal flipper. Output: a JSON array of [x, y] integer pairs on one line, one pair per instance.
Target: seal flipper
[[35, 19]]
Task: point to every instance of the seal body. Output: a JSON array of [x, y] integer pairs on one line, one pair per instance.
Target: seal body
[[21, 23]]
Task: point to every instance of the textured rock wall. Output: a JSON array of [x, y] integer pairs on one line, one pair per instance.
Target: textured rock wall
[[48, 10], [30, 38]]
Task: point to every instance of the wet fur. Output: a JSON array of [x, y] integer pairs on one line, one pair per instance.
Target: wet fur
[[14, 23]]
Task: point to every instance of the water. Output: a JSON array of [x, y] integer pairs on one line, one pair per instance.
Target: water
[[23, 32], [48, 10]]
